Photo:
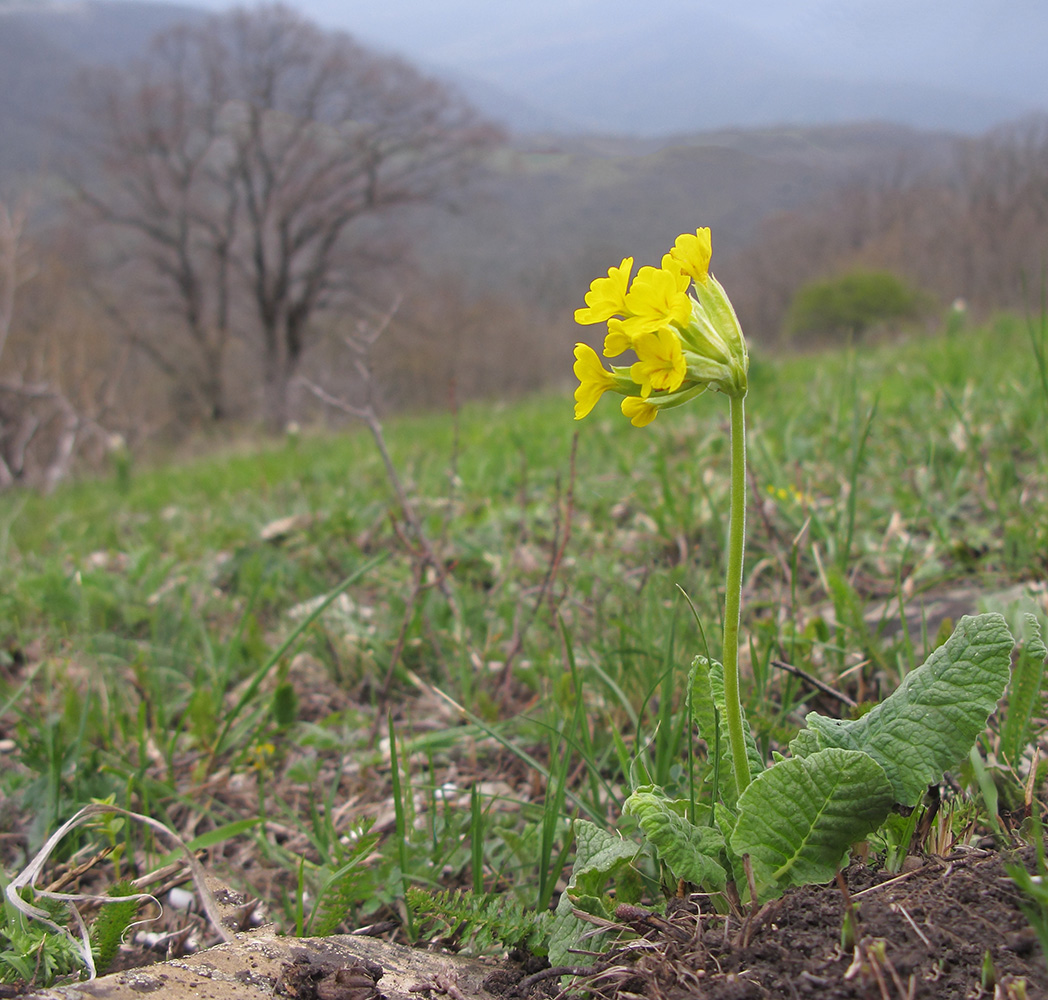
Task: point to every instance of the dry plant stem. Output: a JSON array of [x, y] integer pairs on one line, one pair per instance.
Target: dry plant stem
[[733, 595], [29, 875]]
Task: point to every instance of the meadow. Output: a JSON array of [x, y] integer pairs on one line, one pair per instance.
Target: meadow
[[340, 696]]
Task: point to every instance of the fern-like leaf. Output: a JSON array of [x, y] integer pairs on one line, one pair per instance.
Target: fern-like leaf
[[485, 922]]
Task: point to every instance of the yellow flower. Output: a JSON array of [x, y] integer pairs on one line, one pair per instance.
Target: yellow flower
[[607, 296], [661, 363], [617, 340], [656, 298], [692, 254], [640, 411], [594, 379], [685, 344]]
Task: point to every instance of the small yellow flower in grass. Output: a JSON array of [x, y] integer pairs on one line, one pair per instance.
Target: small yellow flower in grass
[[661, 363], [692, 253], [640, 411], [594, 380], [607, 296]]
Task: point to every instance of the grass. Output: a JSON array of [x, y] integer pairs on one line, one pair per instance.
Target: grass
[[144, 618]]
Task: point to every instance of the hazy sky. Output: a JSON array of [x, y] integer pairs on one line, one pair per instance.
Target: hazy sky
[[985, 58], [884, 39]]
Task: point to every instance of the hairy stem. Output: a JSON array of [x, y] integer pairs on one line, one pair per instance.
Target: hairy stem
[[733, 594]]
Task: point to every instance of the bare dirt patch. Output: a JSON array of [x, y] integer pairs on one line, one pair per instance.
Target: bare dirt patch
[[922, 935]]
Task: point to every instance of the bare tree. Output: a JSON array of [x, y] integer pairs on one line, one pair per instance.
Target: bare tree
[[40, 428], [243, 163]]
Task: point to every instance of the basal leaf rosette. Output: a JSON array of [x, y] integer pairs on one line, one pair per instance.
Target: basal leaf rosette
[[678, 322]]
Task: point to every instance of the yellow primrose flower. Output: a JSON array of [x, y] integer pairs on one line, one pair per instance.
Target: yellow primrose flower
[[594, 379], [656, 298], [692, 254], [617, 340], [607, 296], [684, 343], [661, 363], [640, 411]]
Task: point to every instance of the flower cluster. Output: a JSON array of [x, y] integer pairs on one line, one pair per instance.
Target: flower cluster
[[684, 344]]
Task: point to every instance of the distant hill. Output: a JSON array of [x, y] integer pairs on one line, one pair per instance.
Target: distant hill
[[554, 211], [695, 65], [42, 45]]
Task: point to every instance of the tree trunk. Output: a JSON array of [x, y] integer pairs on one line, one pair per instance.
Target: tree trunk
[[276, 391]]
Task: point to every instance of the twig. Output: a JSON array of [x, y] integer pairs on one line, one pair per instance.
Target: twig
[[74, 873], [751, 882], [892, 881], [814, 682], [555, 970], [899, 908]]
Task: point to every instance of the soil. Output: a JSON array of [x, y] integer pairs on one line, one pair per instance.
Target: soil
[[923, 934]]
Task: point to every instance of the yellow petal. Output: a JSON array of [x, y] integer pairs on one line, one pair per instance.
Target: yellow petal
[[692, 252], [655, 299], [606, 296], [640, 412], [594, 380], [617, 340], [661, 364]]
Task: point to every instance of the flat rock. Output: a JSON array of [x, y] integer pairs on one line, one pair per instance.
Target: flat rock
[[259, 965]]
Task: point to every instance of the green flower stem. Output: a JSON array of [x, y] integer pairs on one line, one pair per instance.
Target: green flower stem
[[733, 594]]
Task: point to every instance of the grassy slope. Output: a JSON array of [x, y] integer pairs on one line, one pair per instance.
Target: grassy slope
[[140, 613]]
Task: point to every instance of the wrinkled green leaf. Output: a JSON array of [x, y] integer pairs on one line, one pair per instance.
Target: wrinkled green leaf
[[708, 714], [565, 933], [691, 852], [798, 818], [598, 856], [931, 721]]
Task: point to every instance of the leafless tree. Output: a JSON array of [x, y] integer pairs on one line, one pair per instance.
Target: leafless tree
[[241, 166], [39, 426]]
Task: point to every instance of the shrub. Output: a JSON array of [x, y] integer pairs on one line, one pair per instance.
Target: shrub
[[852, 304]]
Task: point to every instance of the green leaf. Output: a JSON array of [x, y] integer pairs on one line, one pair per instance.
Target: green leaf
[[709, 715], [931, 721], [212, 837], [703, 706], [598, 856], [690, 852], [1023, 692], [798, 818], [565, 934]]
